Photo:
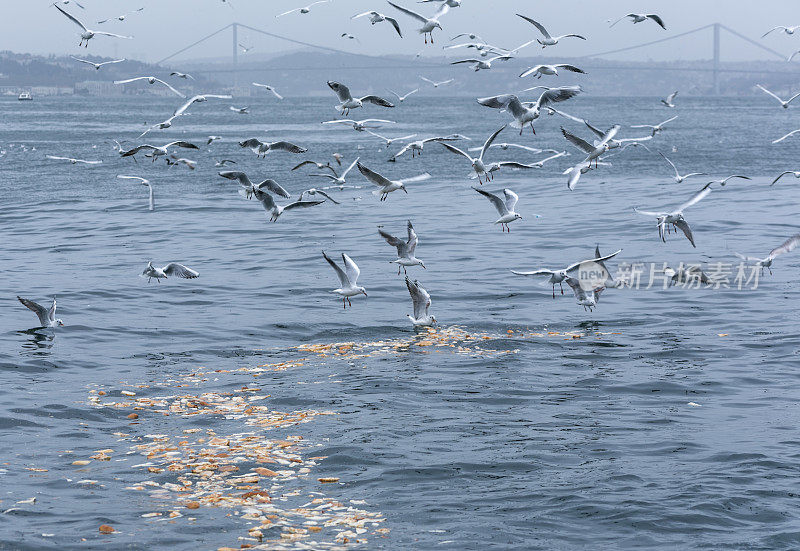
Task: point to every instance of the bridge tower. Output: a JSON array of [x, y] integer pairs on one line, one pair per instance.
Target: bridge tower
[[716, 58]]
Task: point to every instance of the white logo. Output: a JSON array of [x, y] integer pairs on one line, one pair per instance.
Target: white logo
[[591, 275]]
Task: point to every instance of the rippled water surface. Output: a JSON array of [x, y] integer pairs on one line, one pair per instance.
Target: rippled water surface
[[666, 418]]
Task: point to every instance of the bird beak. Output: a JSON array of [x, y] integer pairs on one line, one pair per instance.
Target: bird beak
[[365, 293], [404, 189]]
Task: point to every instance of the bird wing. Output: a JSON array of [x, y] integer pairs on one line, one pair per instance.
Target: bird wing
[[287, 146], [419, 297], [530, 70], [377, 100], [580, 143], [533, 273], [496, 102], [410, 13], [373, 176], [402, 246], [670, 163], [610, 134], [285, 13], [181, 143], [495, 200], [179, 270], [597, 132], [339, 272], [515, 164], [657, 19], [180, 110], [768, 92], [181, 94], [555, 95], [331, 199], [363, 14], [274, 187], [443, 9], [302, 204], [537, 25], [781, 175], [668, 120], [792, 133], [127, 80], [672, 96], [267, 200], [112, 34], [687, 231], [394, 24], [785, 247], [488, 141], [511, 199], [140, 180], [349, 168], [574, 176], [572, 68], [341, 90], [457, 151], [779, 27], [791, 99], [137, 149], [412, 238], [351, 269], [696, 198], [421, 178], [41, 312], [73, 19], [598, 259], [339, 121]]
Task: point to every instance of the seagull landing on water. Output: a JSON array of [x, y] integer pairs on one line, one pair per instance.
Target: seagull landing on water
[[523, 113], [250, 187], [428, 24], [171, 269], [268, 88], [504, 207], [405, 249], [96, 65], [678, 178], [546, 39], [560, 275], [668, 101], [784, 104], [675, 217], [787, 246], [640, 17], [47, 316], [477, 163], [348, 102], [348, 278], [540, 70], [387, 186], [421, 301], [376, 17], [87, 33], [262, 148], [151, 202]]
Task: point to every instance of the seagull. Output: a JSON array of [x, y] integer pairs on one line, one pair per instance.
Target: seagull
[[639, 17], [268, 88], [319, 166], [162, 125], [670, 99], [376, 17], [119, 17], [540, 164], [303, 10], [561, 274], [199, 98], [504, 207], [314, 191], [361, 125], [350, 37], [348, 278], [338, 180], [150, 80], [171, 269], [676, 216], [262, 148], [390, 141], [689, 274], [785, 247], [451, 3], [268, 202], [421, 301], [400, 98], [437, 84], [784, 104], [348, 102], [587, 299], [405, 249], [240, 110], [338, 158], [522, 113], [158, 151], [224, 162], [96, 65], [417, 146], [657, 128], [788, 30], [47, 316], [428, 24], [547, 39], [387, 186], [725, 180], [491, 168], [574, 173], [73, 161], [244, 48], [782, 174], [151, 204], [250, 187], [613, 143], [181, 75], [505, 146], [540, 70], [472, 36], [213, 139], [477, 163], [87, 34], [181, 161], [678, 178], [593, 152], [483, 64]]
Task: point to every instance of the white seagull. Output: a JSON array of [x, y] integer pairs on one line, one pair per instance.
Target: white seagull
[[477, 163], [387, 186], [540, 70], [158, 151], [390, 141], [587, 299], [348, 278], [250, 187], [428, 24], [150, 80], [151, 205], [675, 217], [561, 274], [788, 30], [436, 84], [181, 75], [405, 249], [640, 17], [724, 181], [199, 98], [275, 210], [417, 146], [655, 129], [161, 125], [305, 9], [795, 173], [262, 148], [315, 191], [483, 64], [73, 161], [785, 247], [348, 102], [268, 88], [522, 113], [593, 151], [668, 101], [47, 316], [337, 179], [546, 39], [361, 125], [87, 33], [678, 178], [96, 65], [171, 269], [240, 110], [402, 98], [784, 104], [376, 17], [422, 302], [574, 173], [505, 207]]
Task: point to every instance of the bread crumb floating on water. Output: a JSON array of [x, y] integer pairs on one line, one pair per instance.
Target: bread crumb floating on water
[[106, 529]]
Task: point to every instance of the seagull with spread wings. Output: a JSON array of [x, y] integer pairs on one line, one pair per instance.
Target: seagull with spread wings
[[540, 70], [47, 316], [386, 185], [546, 39], [377, 17], [675, 217], [784, 104], [505, 207], [171, 269], [348, 279], [421, 301], [405, 249], [436, 84], [199, 98], [87, 33], [97, 65], [669, 100], [477, 163], [559, 275], [157, 151], [428, 23], [678, 178], [150, 80], [787, 246], [275, 210], [262, 148], [527, 113], [304, 9], [348, 102], [72, 160], [640, 17], [269, 89]]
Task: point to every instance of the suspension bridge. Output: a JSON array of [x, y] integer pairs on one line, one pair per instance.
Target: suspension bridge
[[371, 62]]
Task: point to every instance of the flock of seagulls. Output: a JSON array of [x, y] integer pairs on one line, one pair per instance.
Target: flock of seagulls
[[592, 154]]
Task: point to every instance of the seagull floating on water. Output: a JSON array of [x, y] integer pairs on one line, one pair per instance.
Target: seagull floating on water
[[405, 249], [47, 316], [348, 278]]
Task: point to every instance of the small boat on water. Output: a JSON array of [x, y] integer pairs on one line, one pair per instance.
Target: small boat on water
[[25, 96]]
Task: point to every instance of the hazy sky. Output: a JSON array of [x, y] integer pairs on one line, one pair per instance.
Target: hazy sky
[[165, 26]]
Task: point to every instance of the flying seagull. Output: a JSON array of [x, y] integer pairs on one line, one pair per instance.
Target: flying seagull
[[436, 84], [158, 151], [87, 34], [421, 301], [199, 98], [348, 102], [668, 101], [678, 178], [477, 163], [338, 180], [546, 39], [348, 278], [275, 210], [97, 65], [250, 187], [150, 80], [593, 151], [640, 17], [405, 249], [47, 316], [181, 75], [151, 205], [675, 217], [390, 141], [417, 146], [268, 88], [504, 206], [402, 98], [376, 17], [559, 275], [387, 186], [655, 129], [362, 125], [540, 70], [171, 269], [766, 262], [303, 10], [428, 24], [788, 30], [72, 161], [784, 104], [795, 173], [262, 148], [527, 113]]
